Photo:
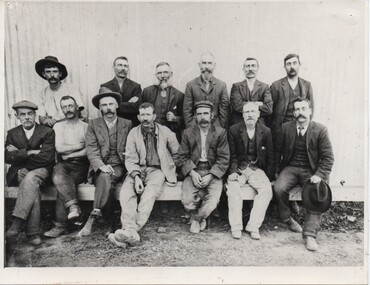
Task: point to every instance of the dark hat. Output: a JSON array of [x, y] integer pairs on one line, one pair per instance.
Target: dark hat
[[52, 60], [316, 197], [105, 93], [25, 104], [203, 104]]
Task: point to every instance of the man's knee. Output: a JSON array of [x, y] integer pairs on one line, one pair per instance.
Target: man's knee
[[189, 201], [127, 190], [58, 175], [31, 178], [233, 188]]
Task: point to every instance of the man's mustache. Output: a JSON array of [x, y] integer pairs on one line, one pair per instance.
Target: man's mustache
[[301, 116], [70, 113], [109, 112], [203, 121], [206, 70], [292, 70]]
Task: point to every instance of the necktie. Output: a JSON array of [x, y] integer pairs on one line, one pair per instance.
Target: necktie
[[300, 131]]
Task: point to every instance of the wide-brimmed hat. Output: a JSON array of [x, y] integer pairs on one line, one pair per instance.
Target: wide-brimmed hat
[[105, 93], [25, 104], [316, 197], [52, 60]]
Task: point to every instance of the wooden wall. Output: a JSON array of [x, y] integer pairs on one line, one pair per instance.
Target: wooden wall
[[330, 37]]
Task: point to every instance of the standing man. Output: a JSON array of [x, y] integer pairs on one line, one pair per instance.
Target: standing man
[[105, 147], [166, 99], [303, 152], [250, 90], [252, 162], [151, 151], [29, 148], [72, 167], [54, 72], [129, 90], [206, 87], [285, 91], [204, 158]]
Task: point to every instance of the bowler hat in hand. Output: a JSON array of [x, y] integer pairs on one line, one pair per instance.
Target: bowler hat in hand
[[316, 197]]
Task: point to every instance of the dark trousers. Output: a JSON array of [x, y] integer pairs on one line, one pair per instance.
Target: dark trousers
[[290, 177], [66, 176]]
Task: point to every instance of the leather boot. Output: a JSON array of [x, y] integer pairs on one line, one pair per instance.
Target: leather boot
[[15, 229], [89, 226]]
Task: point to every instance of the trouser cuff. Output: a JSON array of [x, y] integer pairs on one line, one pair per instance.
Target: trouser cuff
[[96, 212], [70, 203]]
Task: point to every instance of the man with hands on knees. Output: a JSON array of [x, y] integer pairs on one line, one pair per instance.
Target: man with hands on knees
[[203, 158]]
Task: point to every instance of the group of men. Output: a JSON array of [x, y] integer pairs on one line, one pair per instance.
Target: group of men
[[271, 138]]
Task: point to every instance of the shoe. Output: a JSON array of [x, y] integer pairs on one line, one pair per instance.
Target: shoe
[[311, 244], [236, 234], [203, 225], [294, 207], [255, 235], [56, 232], [34, 240], [112, 240], [74, 212], [294, 226], [89, 226], [128, 236], [15, 229], [195, 227]]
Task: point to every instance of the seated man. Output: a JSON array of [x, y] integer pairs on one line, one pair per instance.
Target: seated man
[[105, 147], [204, 158], [251, 159], [150, 152], [30, 150], [72, 167], [303, 152]]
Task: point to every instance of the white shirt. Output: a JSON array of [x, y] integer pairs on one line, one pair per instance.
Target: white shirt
[[303, 130], [250, 84], [203, 155], [29, 133], [111, 124], [50, 100], [251, 133]]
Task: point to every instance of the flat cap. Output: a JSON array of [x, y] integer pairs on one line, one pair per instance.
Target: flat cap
[[25, 104], [204, 104]]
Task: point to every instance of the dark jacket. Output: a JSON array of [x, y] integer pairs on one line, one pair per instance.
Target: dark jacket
[[42, 139], [217, 148], [97, 141], [130, 89], [318, 144], [175, 105], [238, 97], [280, 97], [238, 142], [217, 94]]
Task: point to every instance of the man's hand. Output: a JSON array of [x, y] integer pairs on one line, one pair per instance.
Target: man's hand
[[11, 148], [259, 103], [197, 179], [171, 117], [139, 186], [34, 151], [315, 179], [233, 177], [206, 180], [107, 169], [133, 99], [50, 121]]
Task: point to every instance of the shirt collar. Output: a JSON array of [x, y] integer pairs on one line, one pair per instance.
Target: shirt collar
[[29, 133], [303, 129], [111, 125]]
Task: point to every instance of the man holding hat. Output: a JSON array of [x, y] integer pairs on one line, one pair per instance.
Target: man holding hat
[[252, 162], [150, 153], [105, 147], [203, 158], [304, 156], [50, 69], [30, 150]]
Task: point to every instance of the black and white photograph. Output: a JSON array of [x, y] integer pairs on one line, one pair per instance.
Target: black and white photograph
[[185, 142]]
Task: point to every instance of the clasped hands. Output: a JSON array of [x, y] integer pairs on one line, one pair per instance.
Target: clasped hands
[[199, 181]]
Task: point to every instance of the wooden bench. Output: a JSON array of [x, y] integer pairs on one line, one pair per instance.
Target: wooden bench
[[86, 193]]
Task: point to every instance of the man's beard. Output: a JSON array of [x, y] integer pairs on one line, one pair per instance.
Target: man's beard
[[250, 123], [206, 74], [292, 72], [163, 84]]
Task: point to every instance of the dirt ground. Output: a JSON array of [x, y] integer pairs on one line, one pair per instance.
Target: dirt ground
[[339, 246]]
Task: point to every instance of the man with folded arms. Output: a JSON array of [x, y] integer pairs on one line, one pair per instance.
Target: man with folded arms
[[30, 149], [252, 162], [105, 147], [203, 158], [72, 167], [151, 150], [303, 153]]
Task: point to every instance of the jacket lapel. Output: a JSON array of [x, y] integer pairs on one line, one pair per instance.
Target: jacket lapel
[[256, 86], [170, 100], [243, 90], [114, 86], [285, 85], [308, 135], [210, 137], [201, 86], [126, 83], [120, 131], [244, 136], [303, 87], [103, 130], [292, 137], [259, 136], [198, 140], [34, 137]]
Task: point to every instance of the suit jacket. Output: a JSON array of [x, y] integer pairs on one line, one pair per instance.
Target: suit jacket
[[217, 148], [42, 139], [167, 148], [175, 105], [129, 89], [238, 141], [238, 97], [318, 144], [217, 94], [97, 141], [280, 97]]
